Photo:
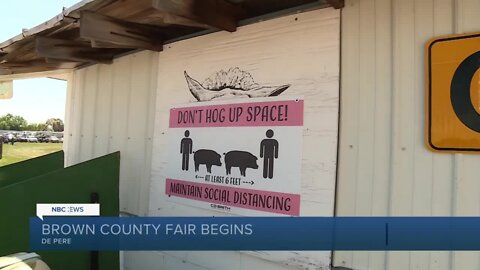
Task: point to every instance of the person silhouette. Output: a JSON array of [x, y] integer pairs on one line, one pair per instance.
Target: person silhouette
[[269, 152], [186, 146]]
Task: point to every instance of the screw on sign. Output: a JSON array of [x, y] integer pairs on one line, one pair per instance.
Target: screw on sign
[[453, 93]]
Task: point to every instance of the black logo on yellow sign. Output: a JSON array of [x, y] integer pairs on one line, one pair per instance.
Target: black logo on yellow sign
[[460, 92]]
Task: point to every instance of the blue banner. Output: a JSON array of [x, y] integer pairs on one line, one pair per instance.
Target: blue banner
[[255, 233]]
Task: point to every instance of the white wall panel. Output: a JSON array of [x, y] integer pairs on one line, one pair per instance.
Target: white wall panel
[[384, 165], [111, 108], [301, 50], [103, 103]]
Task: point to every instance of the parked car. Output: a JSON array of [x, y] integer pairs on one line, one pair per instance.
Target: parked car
[[32, 139], [22, 138], [43, 138], [53, 139], [8, 138]]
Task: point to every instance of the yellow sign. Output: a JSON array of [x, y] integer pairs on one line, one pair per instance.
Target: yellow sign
[[6, 89], [453, 93]]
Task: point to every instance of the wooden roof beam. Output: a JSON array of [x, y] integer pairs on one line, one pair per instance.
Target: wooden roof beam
[[20, 51], [336, 3], [4, 71], [23, 70], [62, 63], [39, 64], [108, 32], [216, 13], [70, 51]]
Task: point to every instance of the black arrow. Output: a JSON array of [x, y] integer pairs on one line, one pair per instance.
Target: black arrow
[[251, 182]]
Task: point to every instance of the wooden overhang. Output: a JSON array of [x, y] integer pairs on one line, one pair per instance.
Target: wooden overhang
[[97, 31]]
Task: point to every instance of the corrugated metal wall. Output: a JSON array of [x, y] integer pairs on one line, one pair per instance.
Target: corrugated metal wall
[[112, 108], [385, 167]]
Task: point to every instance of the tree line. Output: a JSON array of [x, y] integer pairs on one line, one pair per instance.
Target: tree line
[[18, 123]]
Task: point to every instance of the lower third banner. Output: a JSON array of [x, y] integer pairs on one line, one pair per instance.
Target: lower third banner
[[255, 233]]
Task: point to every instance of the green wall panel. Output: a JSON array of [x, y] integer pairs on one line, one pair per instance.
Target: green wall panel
[[73, 184], [23, 170]]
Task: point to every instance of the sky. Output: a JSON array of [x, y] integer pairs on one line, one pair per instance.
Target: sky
[[39, 99]]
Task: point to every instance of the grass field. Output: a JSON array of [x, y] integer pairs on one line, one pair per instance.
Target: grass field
[[22, 151]]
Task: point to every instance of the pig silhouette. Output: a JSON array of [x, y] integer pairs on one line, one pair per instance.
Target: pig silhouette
[[207, 157], [240, 159]]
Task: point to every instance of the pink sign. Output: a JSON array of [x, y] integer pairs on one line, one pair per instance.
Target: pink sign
[[237, 155], [268, 201], [253, 114]]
